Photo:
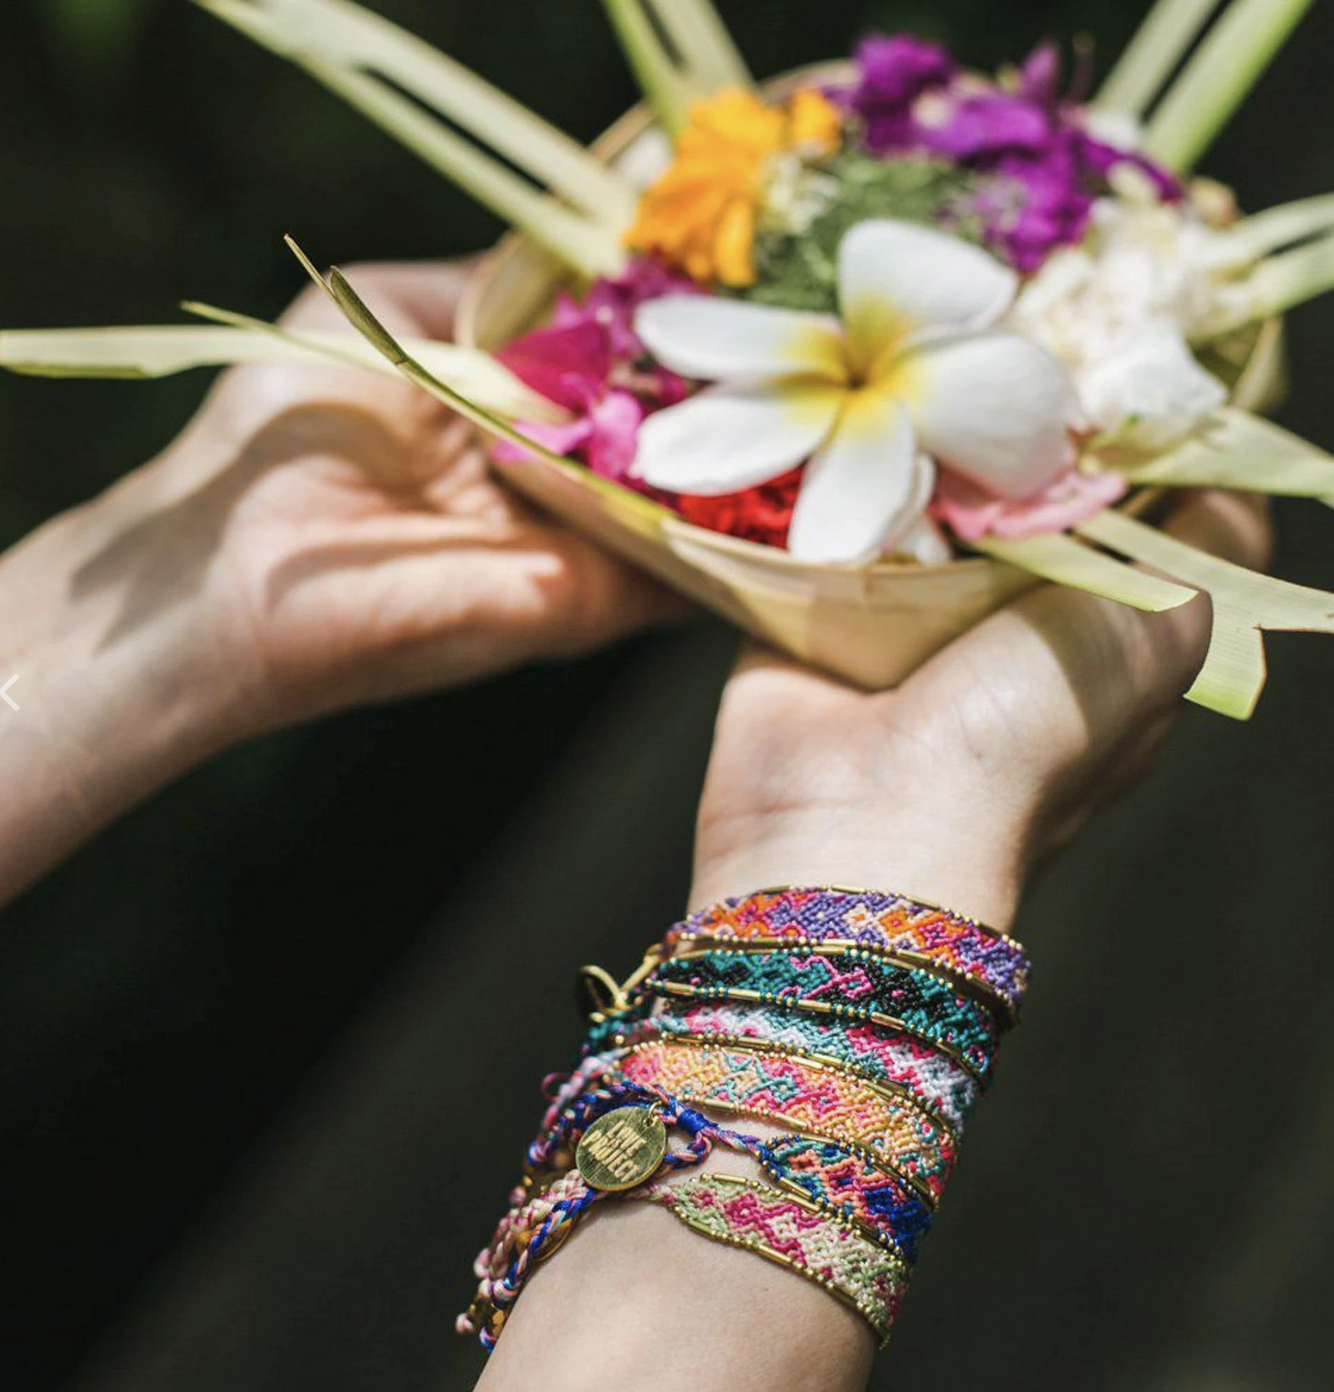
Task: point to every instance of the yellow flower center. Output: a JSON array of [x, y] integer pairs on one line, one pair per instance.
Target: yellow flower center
[[878, 362]]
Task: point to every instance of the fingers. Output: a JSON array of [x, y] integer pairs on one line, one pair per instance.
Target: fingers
[[997, 749], [1162, 653], [1233, 526], [1121, 663], [412, 298], [1082, 689], [592, 599]]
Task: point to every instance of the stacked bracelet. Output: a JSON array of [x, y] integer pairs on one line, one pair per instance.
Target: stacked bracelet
[[852, 984], [787, 1231], [859, 1026], [863, 918], [811, 1098], [940, 1084]]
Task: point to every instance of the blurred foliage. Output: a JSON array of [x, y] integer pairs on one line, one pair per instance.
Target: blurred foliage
[[96, 33]]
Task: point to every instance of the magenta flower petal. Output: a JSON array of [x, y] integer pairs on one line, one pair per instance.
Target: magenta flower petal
[[897, 68], [1040, 75], [1048, 168], [893, 72], [566, 365], [988, 124], [612, 300], [1102, 158]]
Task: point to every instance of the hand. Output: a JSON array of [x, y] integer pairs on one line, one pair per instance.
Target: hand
[[957, 784], [349, 538], [316, 538]]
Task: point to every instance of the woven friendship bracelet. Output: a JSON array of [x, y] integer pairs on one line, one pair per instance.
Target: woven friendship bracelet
[[863, 1025], [863, 918], [545, 1208], [534, 1226], [939, 1083], [805, 1097], [805, 1072], [840, 1181], [850, 986], [787, 1231], [960, 982], [832, 1176]]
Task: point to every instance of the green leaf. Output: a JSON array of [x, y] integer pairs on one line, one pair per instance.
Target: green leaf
[[359, 315], [1218, 78], [1065, 561], [1157, 47], [669, 88], [1237, 450], [1246, 604], [141, 353], [1282, 226], [1292, 277], [480, 374], [707, 49], [345, 48]]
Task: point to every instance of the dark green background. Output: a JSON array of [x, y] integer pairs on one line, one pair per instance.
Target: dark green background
[[269, 1048]]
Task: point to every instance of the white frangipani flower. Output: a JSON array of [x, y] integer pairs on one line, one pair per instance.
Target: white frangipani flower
[[912, 373]]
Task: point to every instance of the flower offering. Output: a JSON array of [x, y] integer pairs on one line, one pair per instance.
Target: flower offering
[[853, 355]]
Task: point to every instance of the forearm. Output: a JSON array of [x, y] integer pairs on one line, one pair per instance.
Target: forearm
[[634, 1289], [634, 1297], [107, 619]]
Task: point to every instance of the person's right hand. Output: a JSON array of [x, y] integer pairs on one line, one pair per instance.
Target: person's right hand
[[949, 788], [953, 786], [339, 535]]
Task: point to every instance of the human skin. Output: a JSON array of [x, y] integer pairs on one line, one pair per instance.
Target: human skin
[[954, 787], [317, 538]]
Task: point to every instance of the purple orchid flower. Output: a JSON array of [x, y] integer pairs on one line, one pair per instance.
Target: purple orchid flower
[[1046, 169], [590, 361]]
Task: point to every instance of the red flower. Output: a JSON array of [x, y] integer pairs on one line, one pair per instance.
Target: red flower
[[762, 514]]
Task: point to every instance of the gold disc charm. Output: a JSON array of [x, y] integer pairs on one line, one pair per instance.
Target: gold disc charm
[[621, 1149]]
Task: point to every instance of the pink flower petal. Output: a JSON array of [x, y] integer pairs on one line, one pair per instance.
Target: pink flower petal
[[560, 439], [613, 431], [971, 513]]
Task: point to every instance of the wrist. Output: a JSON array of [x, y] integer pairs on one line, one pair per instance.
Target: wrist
[[973, 865], [124, 677]]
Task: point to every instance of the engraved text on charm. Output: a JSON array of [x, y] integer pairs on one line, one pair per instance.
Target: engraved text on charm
[[621, 1149]]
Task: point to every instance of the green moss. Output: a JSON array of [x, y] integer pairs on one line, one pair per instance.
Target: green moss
[[800, 271]]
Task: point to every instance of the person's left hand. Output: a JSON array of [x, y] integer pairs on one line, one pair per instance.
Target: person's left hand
[[316, 538], [347, 538]]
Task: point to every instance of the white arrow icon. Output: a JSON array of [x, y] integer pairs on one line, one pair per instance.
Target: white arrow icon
[[4, 691]]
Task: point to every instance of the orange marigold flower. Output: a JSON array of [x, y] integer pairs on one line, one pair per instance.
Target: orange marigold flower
[[815, 122], [701, 215]]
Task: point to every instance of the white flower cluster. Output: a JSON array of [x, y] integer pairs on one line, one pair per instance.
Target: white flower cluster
[[1123, 309], [795, 194]]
